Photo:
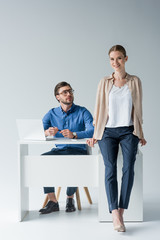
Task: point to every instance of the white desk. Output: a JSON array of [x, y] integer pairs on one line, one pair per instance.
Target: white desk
[[87, 170], [53, 170]]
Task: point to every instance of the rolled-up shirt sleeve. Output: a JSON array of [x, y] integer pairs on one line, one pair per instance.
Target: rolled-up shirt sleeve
[[88, 123], [46, 121]]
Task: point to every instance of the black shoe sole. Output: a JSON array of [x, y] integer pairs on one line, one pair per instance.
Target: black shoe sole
[[71, 210], [55, 210]]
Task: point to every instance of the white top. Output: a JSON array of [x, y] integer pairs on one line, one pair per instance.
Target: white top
[[120, 107]]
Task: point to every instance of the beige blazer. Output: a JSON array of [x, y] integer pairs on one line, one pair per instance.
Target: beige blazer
[[102, 100]]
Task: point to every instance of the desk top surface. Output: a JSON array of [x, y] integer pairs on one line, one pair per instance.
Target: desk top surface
[[55, 141]]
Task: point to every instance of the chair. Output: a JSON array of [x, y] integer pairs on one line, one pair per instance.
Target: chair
[[77, 197]]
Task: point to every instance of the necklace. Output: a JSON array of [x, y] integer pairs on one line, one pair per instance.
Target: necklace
[[119, 83]]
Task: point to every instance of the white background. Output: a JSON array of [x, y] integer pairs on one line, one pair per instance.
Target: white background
[[45, 42]]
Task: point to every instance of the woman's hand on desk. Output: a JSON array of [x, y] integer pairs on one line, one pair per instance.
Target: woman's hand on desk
[[143, 142], [51, 131], [91, 142]]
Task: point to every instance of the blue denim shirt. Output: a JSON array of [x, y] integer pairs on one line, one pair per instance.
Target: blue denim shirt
[[77, 119]]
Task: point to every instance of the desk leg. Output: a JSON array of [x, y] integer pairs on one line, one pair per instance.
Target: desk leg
[[23, 207]]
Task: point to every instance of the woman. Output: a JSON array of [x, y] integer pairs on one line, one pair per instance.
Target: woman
[[118, 120]]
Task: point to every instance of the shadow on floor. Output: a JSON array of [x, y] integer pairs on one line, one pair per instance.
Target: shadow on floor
[[151, 212], [89, 212]]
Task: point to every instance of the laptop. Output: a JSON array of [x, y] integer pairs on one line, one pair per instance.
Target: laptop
[[31, 129]]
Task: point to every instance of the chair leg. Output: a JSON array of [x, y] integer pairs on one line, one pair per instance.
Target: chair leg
[[88, 195], [78, 199], [45, 201], [58, 193]]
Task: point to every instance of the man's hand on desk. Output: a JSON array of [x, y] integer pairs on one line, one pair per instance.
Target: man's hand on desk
[[67, 133], [51, 131]]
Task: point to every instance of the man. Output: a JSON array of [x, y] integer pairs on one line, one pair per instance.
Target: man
[[69, 121]]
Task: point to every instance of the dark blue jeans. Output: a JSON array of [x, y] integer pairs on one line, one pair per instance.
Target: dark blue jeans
[[68, 151], [109, 145]]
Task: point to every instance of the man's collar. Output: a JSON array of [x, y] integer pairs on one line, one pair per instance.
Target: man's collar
[[70, 110]]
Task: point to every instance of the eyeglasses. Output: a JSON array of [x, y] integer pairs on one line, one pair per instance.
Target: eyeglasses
[[65, 92]]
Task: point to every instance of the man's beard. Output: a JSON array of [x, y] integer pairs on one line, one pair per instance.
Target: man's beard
[[67, 103]]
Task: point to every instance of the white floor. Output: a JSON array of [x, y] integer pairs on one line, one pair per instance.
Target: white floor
[[78, 225]]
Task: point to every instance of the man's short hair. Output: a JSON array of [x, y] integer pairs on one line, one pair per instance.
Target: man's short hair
[[59, 85]]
